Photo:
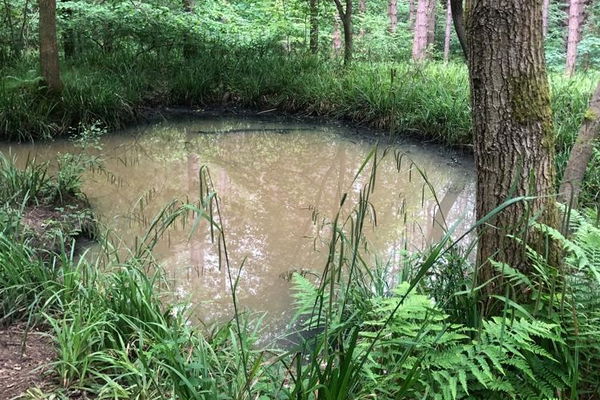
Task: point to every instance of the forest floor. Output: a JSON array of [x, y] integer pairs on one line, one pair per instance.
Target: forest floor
[[24, 361]]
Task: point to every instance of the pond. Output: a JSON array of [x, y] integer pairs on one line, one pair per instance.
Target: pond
[[278, 183]]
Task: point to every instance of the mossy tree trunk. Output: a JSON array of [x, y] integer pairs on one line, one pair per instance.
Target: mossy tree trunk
[[314, 25], [48, 45], [514, 142]]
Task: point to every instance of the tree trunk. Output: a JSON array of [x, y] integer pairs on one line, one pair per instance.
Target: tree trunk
[[411, 13], [573, 36], [336, 36], [448, 32], [431, 11], [362, 9], [393, 15], [189, 49], [459, 25], [346, 18], [347, 24], [545, 7], [581, 153], [513, 133], [420, 40], [48, 45], [314, 26]]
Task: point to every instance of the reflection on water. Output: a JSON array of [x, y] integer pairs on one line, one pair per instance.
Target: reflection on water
[[278, 184]]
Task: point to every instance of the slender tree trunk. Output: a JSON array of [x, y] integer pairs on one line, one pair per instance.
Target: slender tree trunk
[[459, 25], [393, 15], [448, 33], [48, 45], [362, 9], [314, 26], [189, 49], [412, 9], [573, 36], [431, 14], [420, 40], [348, 45], [581, 153], [514, 142], [545, 8], [346, 18], [336, 36]]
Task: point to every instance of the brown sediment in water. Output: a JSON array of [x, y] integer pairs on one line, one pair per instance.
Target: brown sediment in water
[[280, 183]]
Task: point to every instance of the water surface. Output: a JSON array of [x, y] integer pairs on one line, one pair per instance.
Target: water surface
[[278, 183]]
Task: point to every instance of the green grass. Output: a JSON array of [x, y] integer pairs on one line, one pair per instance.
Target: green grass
[[361, 336], [428, 102]]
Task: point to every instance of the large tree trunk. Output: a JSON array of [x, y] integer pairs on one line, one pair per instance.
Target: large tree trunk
[[421, 34], [581, 153], [573, 36], [314, 26], [48, 45], [448, 31], [393, 15], [513, 133]]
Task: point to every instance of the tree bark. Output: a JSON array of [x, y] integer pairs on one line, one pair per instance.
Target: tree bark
[[48, 45], [581, 153], [448, 31], [421, 34], [545, 7], [573, 36], [513, 132], [431, 14], [393, 15], [314, 26], [362, 9], [459, 25], [336, 36], [346, 18]]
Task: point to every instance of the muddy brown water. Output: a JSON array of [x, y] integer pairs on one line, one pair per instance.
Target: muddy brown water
[[277, 183]]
